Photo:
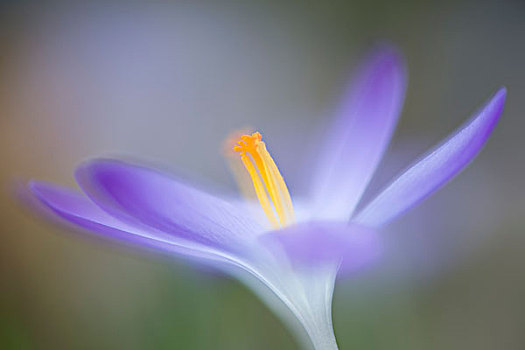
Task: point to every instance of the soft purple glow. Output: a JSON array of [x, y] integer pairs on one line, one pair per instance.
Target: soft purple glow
[[298, 263], [317, 243], [362, 130]]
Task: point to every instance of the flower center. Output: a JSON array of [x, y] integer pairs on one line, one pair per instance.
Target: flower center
[[268, 183]]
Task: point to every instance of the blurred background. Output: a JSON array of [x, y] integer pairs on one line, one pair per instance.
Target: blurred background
[[166, 82]]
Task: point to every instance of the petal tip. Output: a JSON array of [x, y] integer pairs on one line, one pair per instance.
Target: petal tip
[[38, 188], [501, 95], [493, 109], [95, 175], [387, 55], [35, 191], [386, 49], [88, 166], [387, 60]]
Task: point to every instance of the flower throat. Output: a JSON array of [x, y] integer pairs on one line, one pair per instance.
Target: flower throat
[[268, 183]]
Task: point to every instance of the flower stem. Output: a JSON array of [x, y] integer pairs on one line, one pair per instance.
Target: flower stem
[[322, 335]]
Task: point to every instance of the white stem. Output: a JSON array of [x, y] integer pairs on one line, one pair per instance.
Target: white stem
[[301, 298], [320, 329], [322, 336], [319, 287]]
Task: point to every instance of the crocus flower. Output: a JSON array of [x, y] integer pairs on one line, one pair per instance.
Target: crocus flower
[[290, 250]]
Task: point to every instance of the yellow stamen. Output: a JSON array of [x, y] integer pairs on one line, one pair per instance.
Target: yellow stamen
[[267, 180], [241, 176]]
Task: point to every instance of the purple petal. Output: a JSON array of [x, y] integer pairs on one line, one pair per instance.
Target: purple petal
[[363, 128], [137, 194], [436, 168], [317, 243], [78, 210]]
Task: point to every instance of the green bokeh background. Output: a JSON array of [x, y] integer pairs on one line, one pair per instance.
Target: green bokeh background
[[167, 82]]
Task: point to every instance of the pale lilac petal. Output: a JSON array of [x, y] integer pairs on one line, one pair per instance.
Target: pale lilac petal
[[78, 210], [436, 168], [317, 243], [363, 128], [144, 195]]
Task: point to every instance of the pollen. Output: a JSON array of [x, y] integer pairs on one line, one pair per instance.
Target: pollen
[[269, 185]]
